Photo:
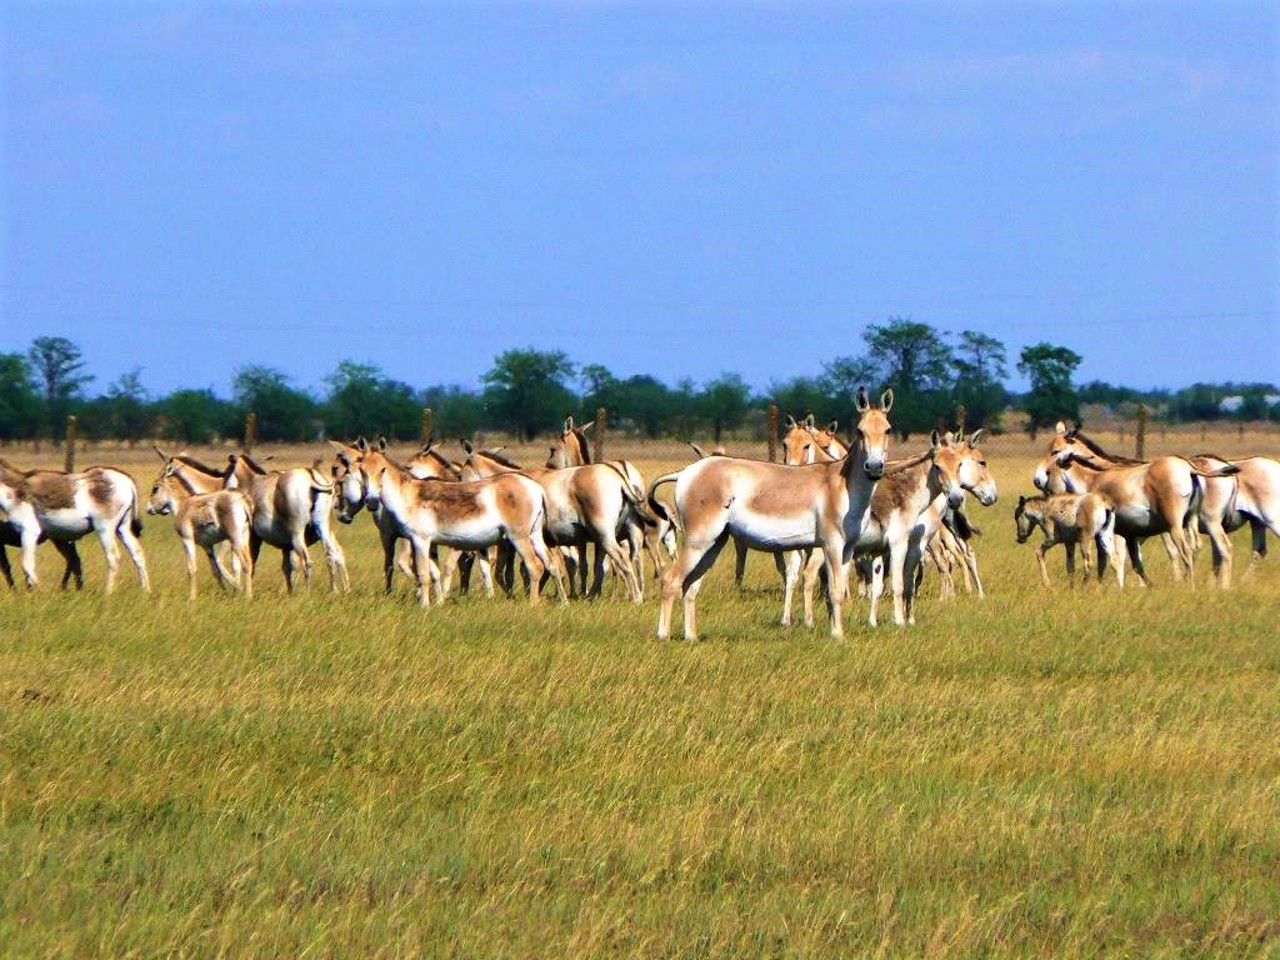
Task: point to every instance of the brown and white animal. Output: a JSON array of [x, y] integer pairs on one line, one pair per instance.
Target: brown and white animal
[[426, 464], [1251, 496], [205, 520], [774, 507], [1150, 497], [1070, 519], [585, 505], [907, 512], [290, 512], [67, 506], [465, 515], [639, 529]]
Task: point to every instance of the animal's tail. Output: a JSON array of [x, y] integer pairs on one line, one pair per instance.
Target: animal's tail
[[633, 494], [656, 506], [135, 521]]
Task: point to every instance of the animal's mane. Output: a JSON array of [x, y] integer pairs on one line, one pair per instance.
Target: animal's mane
[[1098, 451], [195, 464], [498, 458], [439, 458], [583, 445]]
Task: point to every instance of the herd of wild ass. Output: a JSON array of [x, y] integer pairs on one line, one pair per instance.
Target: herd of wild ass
[[829, 514]]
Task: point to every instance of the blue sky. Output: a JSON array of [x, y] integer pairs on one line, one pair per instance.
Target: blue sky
[[670, 188]]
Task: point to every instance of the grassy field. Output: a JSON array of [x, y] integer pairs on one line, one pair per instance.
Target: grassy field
[[1044, 772]]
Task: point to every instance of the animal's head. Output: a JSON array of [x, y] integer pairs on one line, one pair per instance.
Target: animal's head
[[946, 457], [872, 430], [1023, 525], [163, 493], [972, 469]]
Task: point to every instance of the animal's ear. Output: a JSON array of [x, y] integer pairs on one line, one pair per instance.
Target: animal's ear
[[1060, 428], [160, 453], [568, 424], [938, 440], [886, 400], [975, 437], [833, 426], [809, 422], [344, 459], [586, 426], [791, 422], [860, 401], [1078, 427], [362, 444], [466, 445], [551, 450], [382, 444], [1022, 499]]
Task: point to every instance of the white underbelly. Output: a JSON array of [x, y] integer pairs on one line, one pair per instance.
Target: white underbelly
[[773, 533], [65, 524]]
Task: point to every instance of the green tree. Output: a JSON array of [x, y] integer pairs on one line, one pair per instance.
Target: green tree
[[196, 416], [1051, 397], [56, 363], [124, 412], [599, 389], [724, 402], [527, 390], [801, 396], [284, 413], [643, 402], [362, 402], [913, 359], [455, 412], [980, 364], [21, 410], [840, 379]]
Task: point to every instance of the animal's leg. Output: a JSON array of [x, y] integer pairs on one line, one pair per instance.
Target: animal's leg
[[695, 558], [390, 559], [1070, 546], [133, 547], [240, 550], [71, 563], [875, 588], [189, 559], [300, 548], [8, 574], [550, 560], [286, 566], [1135, 558], [833, 550], [467, 563], [1174, 550], [30, 536], [970, 565], [1182, 546], [897, 571], [422, 570], [1222, 552], [219, 574], [1258, 533], [739, 562], [107, 538], [1045, 546], [1086, 560], [790, 574]]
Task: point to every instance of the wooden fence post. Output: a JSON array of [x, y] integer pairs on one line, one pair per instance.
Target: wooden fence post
[[597, 441], [250, 431], [961, 413], [1140, 441], [1202, 431], [773, 433], [69, 454], [428, 422]]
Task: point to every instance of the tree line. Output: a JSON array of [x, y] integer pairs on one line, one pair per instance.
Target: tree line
[[527, 392]]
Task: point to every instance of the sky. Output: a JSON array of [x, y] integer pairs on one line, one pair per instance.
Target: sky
[[680, 188]]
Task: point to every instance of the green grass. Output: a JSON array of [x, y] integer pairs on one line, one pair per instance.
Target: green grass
[[1044, 772]]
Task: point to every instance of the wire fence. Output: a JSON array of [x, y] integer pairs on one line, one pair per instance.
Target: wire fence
[[1126, 436]]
